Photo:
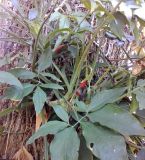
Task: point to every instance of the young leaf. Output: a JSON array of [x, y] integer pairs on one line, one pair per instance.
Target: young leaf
[[104, 97], [118, 119], [52, 86], [107, 145], [22, 73], [45, 60], [8, 78], [51, 127], [61, 113], [39, 98], [65, 145]]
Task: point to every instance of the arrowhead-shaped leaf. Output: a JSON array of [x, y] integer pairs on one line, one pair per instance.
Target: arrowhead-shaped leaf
[[51, 127], [65, 145], [39, 98], [118, 119], [107, 145]]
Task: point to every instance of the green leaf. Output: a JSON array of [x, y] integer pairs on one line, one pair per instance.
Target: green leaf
[[61, 113], [134, 104], [55, 16], [52, 76], [33, 13], [118, 119], [117, 25], [65, 145], [51, 127], [84, 152], [13, 93], [86, 3], [81, 106], [107, 145], [73, 50], [22, 73], [140, 94], [45, 60], [104, 97], [28, 88], [52, 86], [64, 22], [39, 98], [8, 78]]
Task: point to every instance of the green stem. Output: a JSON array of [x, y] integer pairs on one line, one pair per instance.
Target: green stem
[[85, 53]]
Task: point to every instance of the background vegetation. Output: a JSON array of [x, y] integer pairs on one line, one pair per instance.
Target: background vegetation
[[72, 80]]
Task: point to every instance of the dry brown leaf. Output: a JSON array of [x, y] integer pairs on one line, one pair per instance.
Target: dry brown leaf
[[137, 68], [38, 122], [22, 154], [39, 119]]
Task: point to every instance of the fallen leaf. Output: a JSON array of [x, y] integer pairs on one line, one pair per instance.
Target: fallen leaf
[[22, 154]]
